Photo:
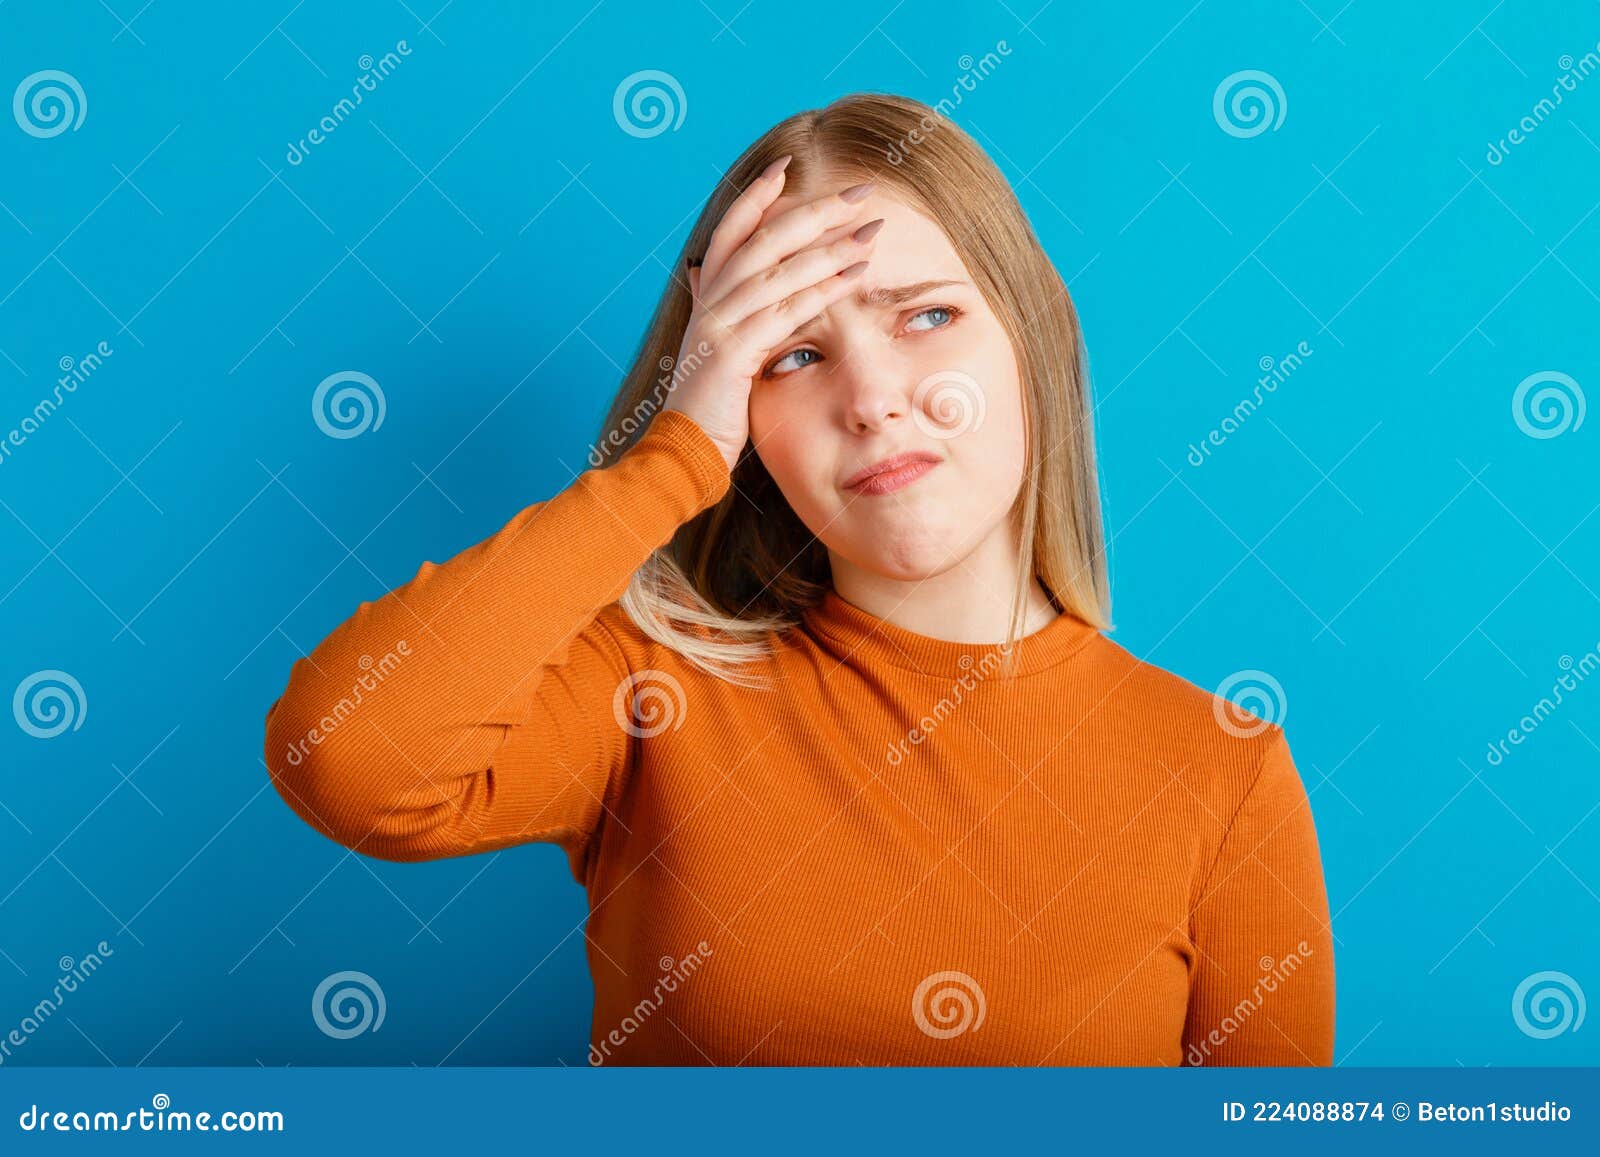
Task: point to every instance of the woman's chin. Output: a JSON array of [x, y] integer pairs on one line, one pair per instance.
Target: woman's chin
[[913, 561]]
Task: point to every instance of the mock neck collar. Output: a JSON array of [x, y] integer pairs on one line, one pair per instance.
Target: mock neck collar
[[858, 638]]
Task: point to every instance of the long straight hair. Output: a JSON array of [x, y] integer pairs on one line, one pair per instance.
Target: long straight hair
[[743, 570]]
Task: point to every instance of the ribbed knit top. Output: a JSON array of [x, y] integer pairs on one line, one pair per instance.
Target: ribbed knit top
[[895, 853]]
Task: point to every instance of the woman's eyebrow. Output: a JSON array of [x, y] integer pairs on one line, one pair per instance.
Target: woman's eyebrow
[[885, 296]]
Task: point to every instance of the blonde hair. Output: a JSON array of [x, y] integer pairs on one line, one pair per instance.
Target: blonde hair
[[745, 568]]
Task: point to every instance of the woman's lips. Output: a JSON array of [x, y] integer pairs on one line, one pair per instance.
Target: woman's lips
[[891, 480]]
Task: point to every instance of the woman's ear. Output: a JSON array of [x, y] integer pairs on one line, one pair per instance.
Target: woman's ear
[[694, 283]]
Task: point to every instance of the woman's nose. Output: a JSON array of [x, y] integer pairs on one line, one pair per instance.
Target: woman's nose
[[876, 390]]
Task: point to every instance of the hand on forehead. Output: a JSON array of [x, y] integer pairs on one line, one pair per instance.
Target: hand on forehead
[[881, 203], [908, 236]]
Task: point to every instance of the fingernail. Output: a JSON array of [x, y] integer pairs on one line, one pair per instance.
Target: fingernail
[[869, 230], [858, 192], [852, 270], [777, 166]]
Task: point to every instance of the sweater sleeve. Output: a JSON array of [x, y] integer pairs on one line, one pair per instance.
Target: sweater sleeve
[[471, 709], [1262, 990]]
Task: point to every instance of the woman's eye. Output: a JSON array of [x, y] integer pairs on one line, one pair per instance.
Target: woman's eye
[[941, 315], [777, 367], [936, 317]]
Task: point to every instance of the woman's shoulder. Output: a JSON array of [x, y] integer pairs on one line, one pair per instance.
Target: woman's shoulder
[[1224, 734]]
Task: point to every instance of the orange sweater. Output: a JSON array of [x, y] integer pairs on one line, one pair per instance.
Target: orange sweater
[[898, 855]]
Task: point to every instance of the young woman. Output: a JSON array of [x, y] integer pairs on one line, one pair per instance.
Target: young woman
[[806, 673]]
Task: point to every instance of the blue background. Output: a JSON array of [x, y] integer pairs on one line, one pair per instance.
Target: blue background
[[484, 239]]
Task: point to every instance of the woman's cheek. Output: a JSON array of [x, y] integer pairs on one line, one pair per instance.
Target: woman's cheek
[[782, 453], [782, 429], [761, 416]]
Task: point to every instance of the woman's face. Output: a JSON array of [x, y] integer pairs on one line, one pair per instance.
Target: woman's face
[[922, 366]]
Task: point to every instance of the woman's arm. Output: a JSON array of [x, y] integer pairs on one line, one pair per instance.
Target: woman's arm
[[1262, 990], [471, 708], [492, 721]]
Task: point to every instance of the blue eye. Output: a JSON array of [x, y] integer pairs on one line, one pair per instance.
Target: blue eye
[[940, 316], [774, 367], [948, 315]]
